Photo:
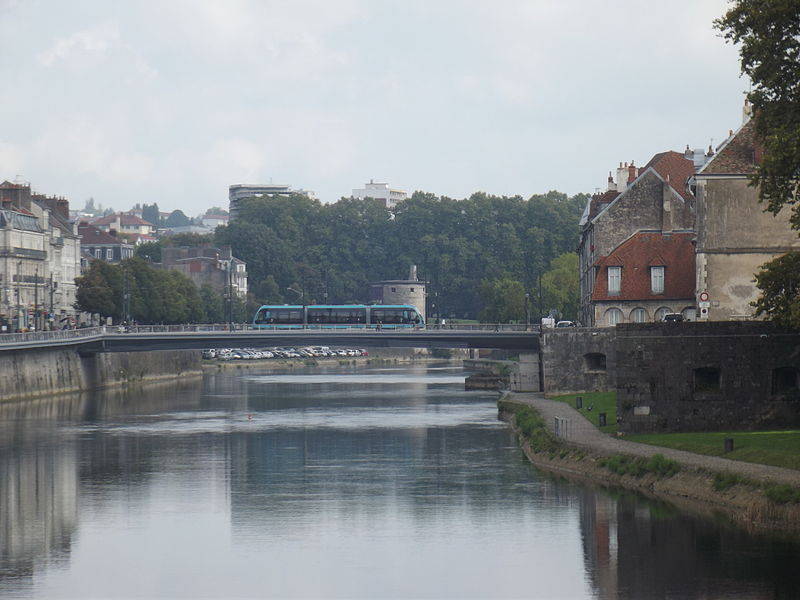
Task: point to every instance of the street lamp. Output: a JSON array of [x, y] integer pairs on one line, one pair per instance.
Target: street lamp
[[527, 312]]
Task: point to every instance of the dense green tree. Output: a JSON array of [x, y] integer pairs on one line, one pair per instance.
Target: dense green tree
[[504, 300], [150, 251], [99, 290], [779, 282], [151, 214], [177, 219], [560, 289], [768, 33]]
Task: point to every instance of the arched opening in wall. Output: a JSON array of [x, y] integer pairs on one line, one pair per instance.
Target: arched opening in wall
[[594, 361], [613, 316], [689, 313], [638, 315], [706, 379], [785, 380]]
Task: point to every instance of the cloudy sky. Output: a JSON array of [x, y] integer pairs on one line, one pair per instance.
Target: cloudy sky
[[172, 101]]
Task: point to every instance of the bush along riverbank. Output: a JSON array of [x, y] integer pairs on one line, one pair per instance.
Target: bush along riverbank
[[754, 506]]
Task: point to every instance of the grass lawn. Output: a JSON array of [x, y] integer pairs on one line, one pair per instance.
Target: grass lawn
[[595, 403], [777, 448]]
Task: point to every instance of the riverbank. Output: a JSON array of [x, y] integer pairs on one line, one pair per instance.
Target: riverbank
[[704, 484]]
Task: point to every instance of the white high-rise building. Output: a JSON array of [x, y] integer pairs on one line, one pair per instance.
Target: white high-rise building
[[239, 191], [380, 191]]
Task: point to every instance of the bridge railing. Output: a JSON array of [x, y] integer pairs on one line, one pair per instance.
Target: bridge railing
[[239, 327], [44, 336]]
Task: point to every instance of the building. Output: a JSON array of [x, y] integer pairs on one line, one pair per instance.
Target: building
[[125, 224], [215, 267], [39, 259], [400, 291], [102, 245], [380, 191], [655, 200], [240, 191], [735, 236], [646, 277], [211, 221]]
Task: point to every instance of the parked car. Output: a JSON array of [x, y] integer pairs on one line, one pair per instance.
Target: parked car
[[565, 324], [673, 318]]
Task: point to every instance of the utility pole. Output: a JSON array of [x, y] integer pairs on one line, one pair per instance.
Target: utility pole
[[36, 299]]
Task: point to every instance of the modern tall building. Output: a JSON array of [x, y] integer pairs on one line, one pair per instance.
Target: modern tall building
[[240, 191], [380, 191]]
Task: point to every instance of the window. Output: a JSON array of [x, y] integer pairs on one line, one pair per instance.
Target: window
[[613, 316], [98, 253], [614, 279], [638, 315], [594, 361], [657, 280], [109, 254], [706, 379], [785, 380]]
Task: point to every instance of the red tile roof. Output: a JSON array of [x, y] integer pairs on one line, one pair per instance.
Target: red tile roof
[[637, 254], [124, 219], [676, 167]]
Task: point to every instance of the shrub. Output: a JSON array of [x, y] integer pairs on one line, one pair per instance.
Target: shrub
[[725, 481], [782, 494]]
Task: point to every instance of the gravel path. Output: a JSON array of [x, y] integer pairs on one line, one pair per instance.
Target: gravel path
[[581, 432]]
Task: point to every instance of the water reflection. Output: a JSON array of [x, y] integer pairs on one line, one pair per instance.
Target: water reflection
[[387, 482]]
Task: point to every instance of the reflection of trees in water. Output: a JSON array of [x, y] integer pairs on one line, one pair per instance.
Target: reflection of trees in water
[[635, 548]]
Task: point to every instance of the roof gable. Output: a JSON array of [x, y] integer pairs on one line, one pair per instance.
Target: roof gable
[[738, 155]]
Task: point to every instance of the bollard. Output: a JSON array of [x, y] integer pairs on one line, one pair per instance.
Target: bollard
[[579, 402], [602, 419], [728, 445]]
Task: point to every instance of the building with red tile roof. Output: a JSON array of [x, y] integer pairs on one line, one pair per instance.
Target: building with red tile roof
[[124, 223], [650, 274]]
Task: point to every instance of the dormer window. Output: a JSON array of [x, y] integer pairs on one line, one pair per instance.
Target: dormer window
[[657, 280], [614, 280]]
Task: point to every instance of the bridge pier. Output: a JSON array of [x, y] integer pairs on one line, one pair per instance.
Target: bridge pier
[[527, 377]]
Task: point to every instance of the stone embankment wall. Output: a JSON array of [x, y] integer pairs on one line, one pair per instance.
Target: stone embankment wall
[[579, 360], [37, 372], [705, 376]]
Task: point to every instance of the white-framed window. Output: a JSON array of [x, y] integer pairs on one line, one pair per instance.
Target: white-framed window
[[657, 280], [109, 254], [613, 316], [661, 312], [98, 253], [638, 315], [614, 280]]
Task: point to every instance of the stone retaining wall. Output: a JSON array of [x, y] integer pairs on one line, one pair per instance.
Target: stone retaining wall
[[38, 372]]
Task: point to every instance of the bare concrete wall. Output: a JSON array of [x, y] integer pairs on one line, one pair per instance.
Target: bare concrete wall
[[34, 373]]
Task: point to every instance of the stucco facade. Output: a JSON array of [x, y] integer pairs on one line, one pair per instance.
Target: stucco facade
[[735, 237]]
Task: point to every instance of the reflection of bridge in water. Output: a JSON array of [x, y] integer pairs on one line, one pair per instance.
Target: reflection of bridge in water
[[196, 337]]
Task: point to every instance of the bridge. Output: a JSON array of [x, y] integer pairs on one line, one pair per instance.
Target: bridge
[[198, 337]]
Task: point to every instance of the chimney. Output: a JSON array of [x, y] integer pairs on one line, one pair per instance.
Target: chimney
[[688, 154], [611, 185], [632, 173], [412, 274], [666, 207], [622, 177], [62, 208], [747, 111]]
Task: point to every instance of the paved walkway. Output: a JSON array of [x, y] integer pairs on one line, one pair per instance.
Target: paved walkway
[[584, 433]]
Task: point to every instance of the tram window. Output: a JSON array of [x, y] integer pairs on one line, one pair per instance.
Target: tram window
[[288, 317]]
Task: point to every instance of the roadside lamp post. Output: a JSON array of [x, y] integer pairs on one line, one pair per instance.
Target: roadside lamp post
[[527, 312]]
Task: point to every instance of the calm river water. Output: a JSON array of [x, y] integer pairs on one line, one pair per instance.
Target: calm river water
[[352, 482]]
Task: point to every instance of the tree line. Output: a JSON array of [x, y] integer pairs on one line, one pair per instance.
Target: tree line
[[494, 258]]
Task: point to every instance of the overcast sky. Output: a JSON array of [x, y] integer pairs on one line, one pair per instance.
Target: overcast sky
[[172, 101]]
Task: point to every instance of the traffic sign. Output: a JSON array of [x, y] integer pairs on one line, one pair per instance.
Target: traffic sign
[[704, 304], [703, 296]]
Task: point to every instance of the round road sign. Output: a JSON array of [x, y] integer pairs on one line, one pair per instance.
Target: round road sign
[[703, 296]]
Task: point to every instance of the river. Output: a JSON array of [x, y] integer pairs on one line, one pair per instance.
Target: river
[[345, 482]]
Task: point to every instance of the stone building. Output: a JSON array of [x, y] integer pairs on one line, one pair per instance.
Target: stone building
[[215, 267], [734, 234], [400, 291], [98, 244], [653, 200], [39, 259]]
